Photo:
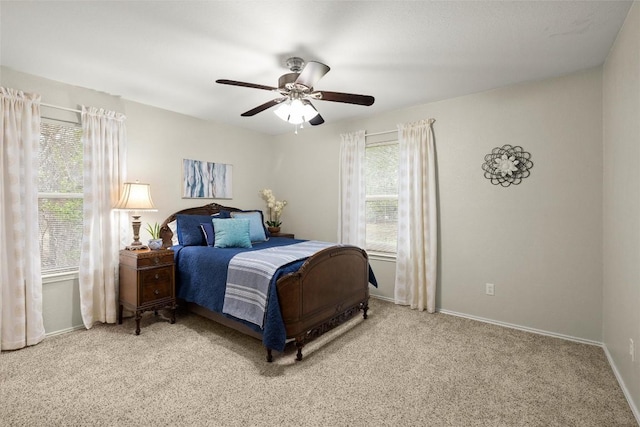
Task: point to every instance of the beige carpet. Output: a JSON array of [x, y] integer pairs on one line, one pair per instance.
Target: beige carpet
[[398, 368]]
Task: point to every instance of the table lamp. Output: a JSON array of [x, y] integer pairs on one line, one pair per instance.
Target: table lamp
[[135, 197]]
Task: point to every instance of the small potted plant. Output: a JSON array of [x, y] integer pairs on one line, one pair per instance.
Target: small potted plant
[[156, 242]]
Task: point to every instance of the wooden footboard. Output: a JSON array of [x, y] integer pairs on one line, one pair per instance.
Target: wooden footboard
[[329, 288]]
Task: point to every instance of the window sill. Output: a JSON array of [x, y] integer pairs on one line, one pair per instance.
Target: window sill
[[381, 256], [60, 277]]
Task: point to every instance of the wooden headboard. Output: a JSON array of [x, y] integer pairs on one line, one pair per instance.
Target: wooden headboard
[[212, 208]]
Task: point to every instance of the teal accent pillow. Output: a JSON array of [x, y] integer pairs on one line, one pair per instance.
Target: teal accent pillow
[[256, 226], [231, 233]]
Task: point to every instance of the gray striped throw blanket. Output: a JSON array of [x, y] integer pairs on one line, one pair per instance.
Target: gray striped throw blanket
[[250, 273]]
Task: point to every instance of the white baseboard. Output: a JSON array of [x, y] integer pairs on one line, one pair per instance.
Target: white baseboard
[[381, 297], [522, 328], [506, 325], [63, 331], [626, 392]]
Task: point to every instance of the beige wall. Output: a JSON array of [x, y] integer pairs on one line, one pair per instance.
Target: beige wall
[[621, 296], [539, 242], [160, 139]]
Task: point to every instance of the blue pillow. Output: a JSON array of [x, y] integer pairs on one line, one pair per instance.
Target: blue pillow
[[256, 226], [207, 230], [189, 230], [229, 214], [231, 233]]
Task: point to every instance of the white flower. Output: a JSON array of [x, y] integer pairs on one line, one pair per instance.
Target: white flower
[[275, 206], [506, 165]]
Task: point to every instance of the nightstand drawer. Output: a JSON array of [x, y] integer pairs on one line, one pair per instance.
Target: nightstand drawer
[[146, 259], [152, 261], [156, 284]]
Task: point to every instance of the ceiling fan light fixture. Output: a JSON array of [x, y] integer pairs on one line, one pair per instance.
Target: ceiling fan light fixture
[[296, 89], [296, 111]]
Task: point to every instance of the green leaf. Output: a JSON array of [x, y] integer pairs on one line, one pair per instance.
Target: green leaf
[[154, 230]]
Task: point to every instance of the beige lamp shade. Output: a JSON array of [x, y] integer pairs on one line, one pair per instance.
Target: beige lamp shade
[[135, 197]]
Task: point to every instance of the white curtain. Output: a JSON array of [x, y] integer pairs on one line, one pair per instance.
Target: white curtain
[[416, 262], [104, 140], [21, 322], [351, 210]]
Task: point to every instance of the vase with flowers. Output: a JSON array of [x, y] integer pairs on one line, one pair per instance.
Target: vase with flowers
[[275, 210]]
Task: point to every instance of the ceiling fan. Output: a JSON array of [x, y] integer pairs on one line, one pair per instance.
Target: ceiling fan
[[297, 92]]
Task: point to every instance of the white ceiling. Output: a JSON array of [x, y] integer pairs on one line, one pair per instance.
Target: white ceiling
[[169, 53]]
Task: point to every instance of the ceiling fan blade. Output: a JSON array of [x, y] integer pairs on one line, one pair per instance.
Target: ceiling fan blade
[[348, 98], [262, 107], [243, 84], [311, 73], [317, 120]]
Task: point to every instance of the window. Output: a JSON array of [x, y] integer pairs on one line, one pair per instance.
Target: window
[[381, 201], [60, 196]]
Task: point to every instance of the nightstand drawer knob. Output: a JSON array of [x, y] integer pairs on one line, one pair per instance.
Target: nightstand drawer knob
[[157, 276], [156, 260], [157, 292]]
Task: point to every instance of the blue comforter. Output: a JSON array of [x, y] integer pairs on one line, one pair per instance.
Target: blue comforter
[[201, 277]]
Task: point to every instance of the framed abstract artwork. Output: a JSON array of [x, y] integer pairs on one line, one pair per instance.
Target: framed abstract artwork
[[206, 180]]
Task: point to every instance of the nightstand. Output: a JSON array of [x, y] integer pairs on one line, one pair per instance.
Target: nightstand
[[287, 235], [147, 282]]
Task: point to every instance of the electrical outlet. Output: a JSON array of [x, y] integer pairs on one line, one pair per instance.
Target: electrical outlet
[[632, 350], [489, 289]]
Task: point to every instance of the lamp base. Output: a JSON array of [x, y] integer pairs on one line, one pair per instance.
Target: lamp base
[[136, 247]]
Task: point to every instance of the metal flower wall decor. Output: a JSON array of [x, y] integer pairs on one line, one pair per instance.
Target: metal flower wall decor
[[507, 165]]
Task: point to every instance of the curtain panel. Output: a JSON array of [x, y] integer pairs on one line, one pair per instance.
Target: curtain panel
[[104, 141], [21, 322], [416, 260], [351, 208]]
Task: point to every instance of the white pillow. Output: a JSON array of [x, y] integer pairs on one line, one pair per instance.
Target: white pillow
[[173, 226]]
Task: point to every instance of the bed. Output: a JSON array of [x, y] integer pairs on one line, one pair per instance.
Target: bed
[[304, 298]]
